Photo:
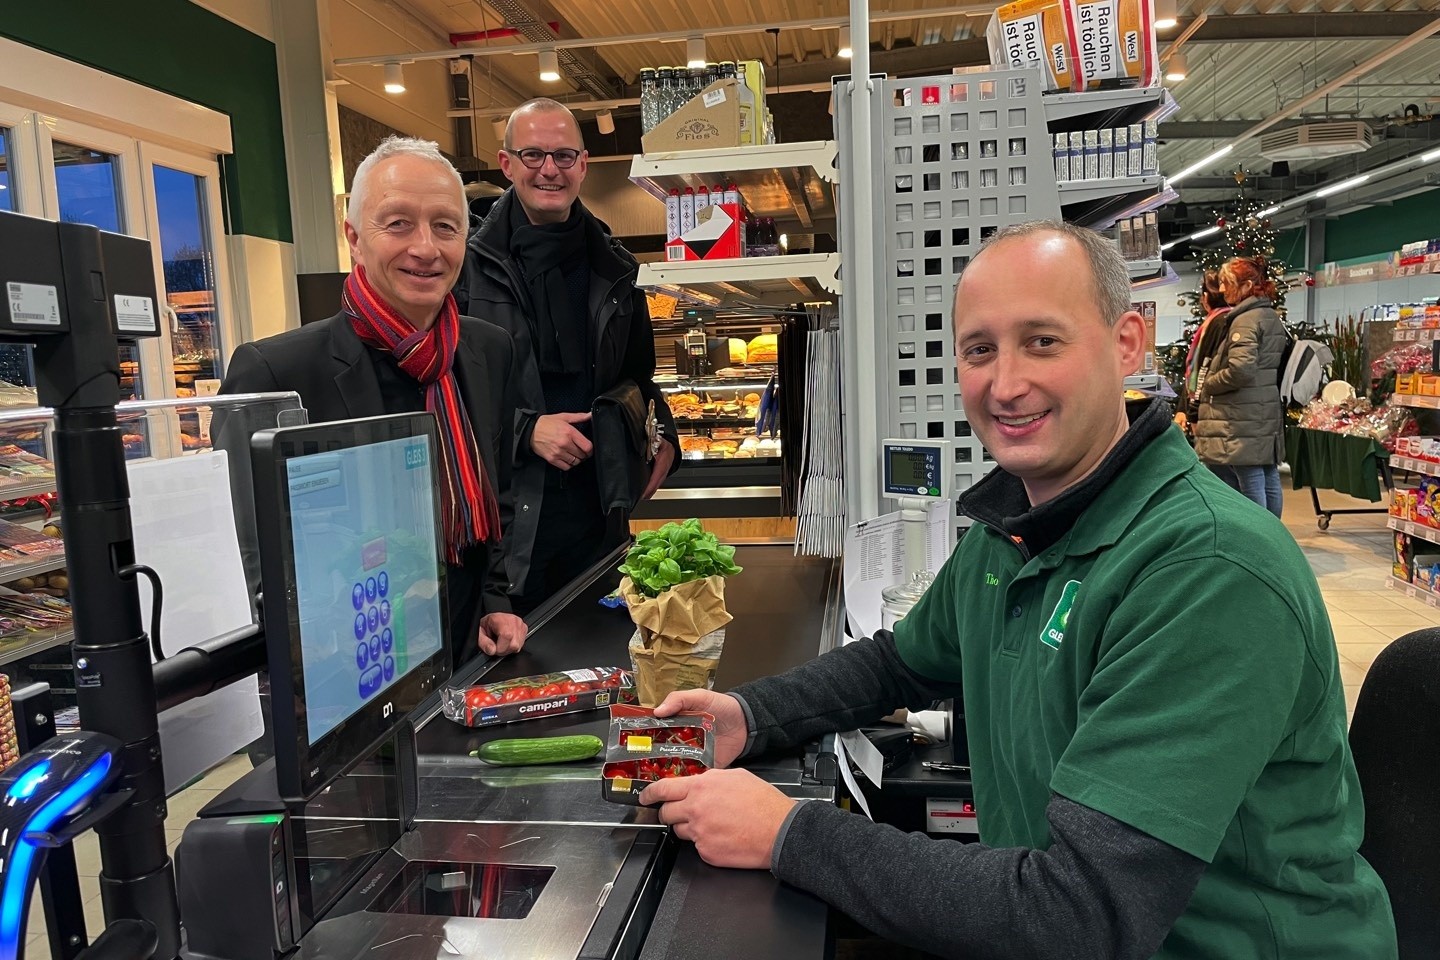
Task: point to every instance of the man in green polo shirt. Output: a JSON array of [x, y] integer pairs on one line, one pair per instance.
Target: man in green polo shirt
[[1155, 712]]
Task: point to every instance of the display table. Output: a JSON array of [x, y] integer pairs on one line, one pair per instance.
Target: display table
[[1356, 466]]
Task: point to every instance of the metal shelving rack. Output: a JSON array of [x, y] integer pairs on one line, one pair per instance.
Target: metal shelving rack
[[956, 158]]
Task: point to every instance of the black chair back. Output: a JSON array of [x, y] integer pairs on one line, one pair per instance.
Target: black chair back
[[1395, 737]]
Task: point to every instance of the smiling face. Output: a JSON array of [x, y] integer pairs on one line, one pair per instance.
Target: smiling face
[[409, 235], [546, 193], [1041, 371]]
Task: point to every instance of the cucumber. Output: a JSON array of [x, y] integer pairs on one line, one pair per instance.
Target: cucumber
[[524, 753]]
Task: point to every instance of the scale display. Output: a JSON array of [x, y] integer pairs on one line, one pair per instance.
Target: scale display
[[364, 547], [914, 469]]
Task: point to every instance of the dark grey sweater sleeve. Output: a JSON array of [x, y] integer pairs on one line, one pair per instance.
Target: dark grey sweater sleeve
[[844, 689], [1102, 889]]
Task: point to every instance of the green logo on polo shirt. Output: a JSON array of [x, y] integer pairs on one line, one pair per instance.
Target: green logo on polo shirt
[[991, 580], [1054, 633]]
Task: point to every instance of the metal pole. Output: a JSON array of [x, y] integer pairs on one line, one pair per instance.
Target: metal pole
[[863, 496]]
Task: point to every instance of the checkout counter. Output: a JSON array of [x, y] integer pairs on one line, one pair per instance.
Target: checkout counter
[[511, 862]]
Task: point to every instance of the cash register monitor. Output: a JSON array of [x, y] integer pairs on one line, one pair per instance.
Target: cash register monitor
[[353, 580]]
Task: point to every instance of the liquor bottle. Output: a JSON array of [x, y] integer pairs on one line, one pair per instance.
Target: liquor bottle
[[664, 94], [647, 99]]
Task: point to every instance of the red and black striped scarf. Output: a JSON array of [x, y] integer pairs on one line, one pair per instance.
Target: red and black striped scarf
[[467, 503]]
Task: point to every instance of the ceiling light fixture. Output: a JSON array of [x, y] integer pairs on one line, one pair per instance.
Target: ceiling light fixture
[[1430, 157], [1342, 186], [1198, 165], [1269, 210], [695, 52], [394, 78], [1166, 14], [1176, 68], [1201, 234], [605, 122], [845, 50], [549, 66]]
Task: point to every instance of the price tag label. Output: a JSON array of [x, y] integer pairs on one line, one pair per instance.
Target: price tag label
[[714, 98]]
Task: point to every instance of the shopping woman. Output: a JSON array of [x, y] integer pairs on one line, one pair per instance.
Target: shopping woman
[[1240, 421], [1202, 347]]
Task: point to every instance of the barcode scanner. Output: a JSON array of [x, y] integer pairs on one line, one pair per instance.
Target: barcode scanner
[[48, 798]]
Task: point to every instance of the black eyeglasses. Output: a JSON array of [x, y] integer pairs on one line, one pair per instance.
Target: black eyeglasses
[[535, 158]]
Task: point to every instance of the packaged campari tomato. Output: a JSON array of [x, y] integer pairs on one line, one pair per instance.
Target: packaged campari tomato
[[643, 748], [539, 695]]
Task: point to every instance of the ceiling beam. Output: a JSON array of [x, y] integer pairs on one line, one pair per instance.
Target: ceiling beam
[[1226, 28]]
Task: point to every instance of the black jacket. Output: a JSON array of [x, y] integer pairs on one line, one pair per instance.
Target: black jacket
[[492, 287], [335, 374]]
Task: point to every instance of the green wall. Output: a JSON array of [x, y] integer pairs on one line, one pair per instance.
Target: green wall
[[179, 48], [1381, 230]]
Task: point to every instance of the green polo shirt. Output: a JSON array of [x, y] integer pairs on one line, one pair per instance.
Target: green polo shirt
[[1168, 662]]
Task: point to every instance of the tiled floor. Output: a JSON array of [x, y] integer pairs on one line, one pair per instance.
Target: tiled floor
[[1350, 560]]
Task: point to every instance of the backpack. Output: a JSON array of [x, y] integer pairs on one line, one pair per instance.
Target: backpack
[[1302, 368]]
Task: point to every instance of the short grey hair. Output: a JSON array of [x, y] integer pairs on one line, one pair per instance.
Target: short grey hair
[[541, 105], [394, 146], [1109, 278]]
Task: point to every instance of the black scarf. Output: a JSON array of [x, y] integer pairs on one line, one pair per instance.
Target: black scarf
[[545, 253]]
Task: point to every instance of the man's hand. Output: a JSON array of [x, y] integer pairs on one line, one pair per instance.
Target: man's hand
[[502, 633], [663, 458], [730, 732], [556, 441], [732, 816]]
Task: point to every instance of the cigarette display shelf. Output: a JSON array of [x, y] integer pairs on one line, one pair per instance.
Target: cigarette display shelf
[[1095, 109], [1099, 204]]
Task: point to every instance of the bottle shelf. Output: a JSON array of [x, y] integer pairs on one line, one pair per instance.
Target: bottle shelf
[[792, 182]]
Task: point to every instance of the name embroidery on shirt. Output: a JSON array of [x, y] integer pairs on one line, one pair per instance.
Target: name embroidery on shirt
[[991, 580], [1054, 632]]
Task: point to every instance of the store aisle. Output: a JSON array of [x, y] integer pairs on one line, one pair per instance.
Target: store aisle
[[1350, 560]]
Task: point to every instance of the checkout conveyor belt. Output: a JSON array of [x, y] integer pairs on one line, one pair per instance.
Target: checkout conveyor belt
[[786, 610]]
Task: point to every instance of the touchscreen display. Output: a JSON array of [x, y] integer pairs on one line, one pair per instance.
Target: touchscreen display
[[366, 572]]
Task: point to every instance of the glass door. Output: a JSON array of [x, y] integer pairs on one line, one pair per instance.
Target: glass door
[[182, 208]]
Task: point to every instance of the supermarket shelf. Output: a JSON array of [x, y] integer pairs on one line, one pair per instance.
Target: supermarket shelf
[[12, 650], [735, 423], [1412, 591], [775, 281], [792, 182], [1416, 335], [1165, 276], [1120, 107], [22, 490], [1427, 467], [1086, 191], [1144, 269], [1431, 264], [1100, 204], [1414, 529], [18, 571], [1415, 400]]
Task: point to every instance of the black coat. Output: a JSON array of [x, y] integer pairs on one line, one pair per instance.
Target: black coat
[[335, 374], [491, 287]]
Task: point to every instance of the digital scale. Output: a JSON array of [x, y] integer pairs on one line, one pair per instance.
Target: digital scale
[[916, 473]]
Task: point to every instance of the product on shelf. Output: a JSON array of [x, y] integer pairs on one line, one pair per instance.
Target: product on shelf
[[718, 105], [1115, 40], [1107, 154], [1140, 237], [21, 468], [1030, 31], [739, 352], [1357, 418]]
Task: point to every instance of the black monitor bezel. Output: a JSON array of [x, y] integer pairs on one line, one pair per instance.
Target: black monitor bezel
[[302, 769]]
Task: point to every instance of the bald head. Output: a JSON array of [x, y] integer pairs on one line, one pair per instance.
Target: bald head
[[542, 107], [1109, 278]]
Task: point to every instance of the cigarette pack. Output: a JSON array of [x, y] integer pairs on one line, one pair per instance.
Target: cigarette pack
[[1107, 154], [1127, 240], [1151, 246], [1092, 154], [1114, 42], [1136, 151], [1150, 162], [1030, 31], [1077, 155], [1062, 158]]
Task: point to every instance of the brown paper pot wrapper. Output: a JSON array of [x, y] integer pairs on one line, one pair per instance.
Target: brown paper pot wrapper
[[678, 637]]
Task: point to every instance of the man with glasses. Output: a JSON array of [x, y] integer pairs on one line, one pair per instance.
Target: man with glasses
[[544, 268]]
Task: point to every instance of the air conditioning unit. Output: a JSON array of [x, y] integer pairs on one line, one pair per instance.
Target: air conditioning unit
[[1315, 141]]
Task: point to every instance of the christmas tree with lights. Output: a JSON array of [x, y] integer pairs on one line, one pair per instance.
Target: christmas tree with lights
[[1246, 233]]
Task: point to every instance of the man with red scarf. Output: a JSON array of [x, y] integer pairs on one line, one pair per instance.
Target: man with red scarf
[[399, 345]]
